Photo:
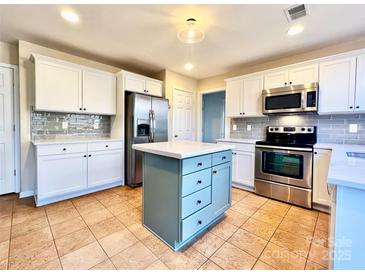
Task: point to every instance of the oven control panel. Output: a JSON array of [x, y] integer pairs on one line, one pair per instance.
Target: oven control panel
[[291, 129]]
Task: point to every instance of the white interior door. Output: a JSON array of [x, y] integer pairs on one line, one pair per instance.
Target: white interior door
[[183, 115], [7, 178]]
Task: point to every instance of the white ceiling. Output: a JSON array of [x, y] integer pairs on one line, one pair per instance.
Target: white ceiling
[[144, 36]]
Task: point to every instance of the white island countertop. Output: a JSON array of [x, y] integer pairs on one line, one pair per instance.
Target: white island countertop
[[75, 140], [181, 149], [344, 170]]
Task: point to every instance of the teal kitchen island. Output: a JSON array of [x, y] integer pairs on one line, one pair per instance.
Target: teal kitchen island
[[186, 188]]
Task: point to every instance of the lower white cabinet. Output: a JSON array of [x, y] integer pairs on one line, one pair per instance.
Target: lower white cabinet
[[69, 170], [321, 163]]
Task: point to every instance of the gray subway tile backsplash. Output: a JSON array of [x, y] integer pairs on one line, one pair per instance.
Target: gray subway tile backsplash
[[48, 125], [331, 128]]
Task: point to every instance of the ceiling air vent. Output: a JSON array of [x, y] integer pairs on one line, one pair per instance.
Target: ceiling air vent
[[295, 12]]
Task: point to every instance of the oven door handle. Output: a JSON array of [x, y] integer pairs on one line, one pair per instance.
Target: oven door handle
[[285, 148]]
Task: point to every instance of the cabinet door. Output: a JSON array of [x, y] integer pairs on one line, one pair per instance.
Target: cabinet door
[[99, 93], [233, 98], [154, 88], [61, 174], [337, 86], [360, 84], [276, 79], [221, 188], [321, 163], [303, 75], [57, 87], [134, 83], [243, 168], [105, 167], [252, 96]]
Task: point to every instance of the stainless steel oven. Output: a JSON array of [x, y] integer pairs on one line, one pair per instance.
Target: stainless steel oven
[[291, 99]]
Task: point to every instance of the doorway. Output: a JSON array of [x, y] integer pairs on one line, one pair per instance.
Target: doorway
[[213, 114]]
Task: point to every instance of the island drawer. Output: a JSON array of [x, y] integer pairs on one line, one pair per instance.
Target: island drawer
[[196, 201], [222, 157], [196, 181], [191, 165], [196, 222], [61, 149], [99, 146]]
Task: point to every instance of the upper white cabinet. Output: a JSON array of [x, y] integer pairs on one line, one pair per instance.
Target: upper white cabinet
[[293, 76], [99, 92], [142, 84], [58, 87], [321, 164], [360, 84], [66, 87], [243, 96], [337, 86]]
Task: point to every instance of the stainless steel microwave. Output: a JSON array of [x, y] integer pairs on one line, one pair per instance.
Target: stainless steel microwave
[[291, 99]]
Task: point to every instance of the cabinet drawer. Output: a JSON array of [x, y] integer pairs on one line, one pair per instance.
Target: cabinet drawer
[[196, 201], [196, 181], [61, 149], [222, 157], [196, 163], [98, 146], [196, 222]]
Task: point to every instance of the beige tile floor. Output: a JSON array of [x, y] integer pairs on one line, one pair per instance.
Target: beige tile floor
[[104, 231]]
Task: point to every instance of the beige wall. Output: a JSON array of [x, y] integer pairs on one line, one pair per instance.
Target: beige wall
[[26, 98], [8, 53], [217, 82]]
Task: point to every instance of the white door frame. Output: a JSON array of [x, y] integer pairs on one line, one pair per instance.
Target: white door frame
[[199, 126], [16, 113], [174, 88]]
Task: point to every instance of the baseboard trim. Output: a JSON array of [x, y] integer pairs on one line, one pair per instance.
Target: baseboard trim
[[24, 194]]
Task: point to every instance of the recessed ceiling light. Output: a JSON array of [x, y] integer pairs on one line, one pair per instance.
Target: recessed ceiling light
[[296, 29], [190, 34], [189, 66], [70, 16]]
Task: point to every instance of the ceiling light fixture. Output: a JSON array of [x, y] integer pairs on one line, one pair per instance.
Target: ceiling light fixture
[[296, 29], [190, 34], [189, 66], [70, 16]]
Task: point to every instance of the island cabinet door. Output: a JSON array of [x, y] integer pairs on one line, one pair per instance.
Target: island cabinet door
[[221, 188]]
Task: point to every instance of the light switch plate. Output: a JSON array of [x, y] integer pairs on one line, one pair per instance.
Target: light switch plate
[[234, 128], [249, 127], [353, 128], [65, 125]]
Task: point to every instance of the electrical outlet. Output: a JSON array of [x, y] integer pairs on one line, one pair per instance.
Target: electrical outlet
[[96, 123], [353, 128], [65, 125], [234, 128], [249, 127]]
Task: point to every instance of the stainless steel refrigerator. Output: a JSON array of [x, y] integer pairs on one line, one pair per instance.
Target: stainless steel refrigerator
[[146, 122]]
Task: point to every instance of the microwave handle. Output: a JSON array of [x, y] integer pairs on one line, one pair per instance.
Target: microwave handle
[[303, 100]]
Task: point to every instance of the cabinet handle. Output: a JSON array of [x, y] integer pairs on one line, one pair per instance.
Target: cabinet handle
[[64, 149], [357, 106], [200, 222], [315, 152], [215, 172], [89, 155], [80, 108], [243, 113], [224, 157], [84, 156], [290, 83], [199, 202], [285, 83], [84, 108], [106, 146], [200, 164], [199, 182], [351, 107]]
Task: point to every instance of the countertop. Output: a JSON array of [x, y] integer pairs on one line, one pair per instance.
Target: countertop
[[74, 141], [181, 149], [239, 140], [344, 170]]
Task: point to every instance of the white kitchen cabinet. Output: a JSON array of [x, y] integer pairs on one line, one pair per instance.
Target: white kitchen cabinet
[[234, 90], [58, 87], [321, 163], [337, 86], [276, 79], [104, 167], [62, 86], [141, 84], [61, 174], [360, 84], [99, 93], [303, 75], [243, 168]]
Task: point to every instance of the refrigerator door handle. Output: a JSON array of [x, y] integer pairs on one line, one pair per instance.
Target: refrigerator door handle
[[153, 125], [150, 118]]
